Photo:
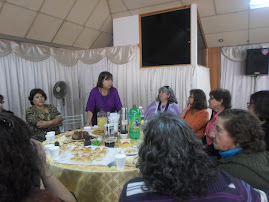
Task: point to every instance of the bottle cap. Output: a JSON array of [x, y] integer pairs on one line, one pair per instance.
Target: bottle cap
[[134, 105]]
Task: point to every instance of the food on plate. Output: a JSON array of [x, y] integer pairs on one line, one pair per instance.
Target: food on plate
[[80, 159], [89, 149], [130, 150], [97, 149], [78, 135], [76, 155], [98, 158], [75, 150], [81, 151], [73, 159], [98, 132]]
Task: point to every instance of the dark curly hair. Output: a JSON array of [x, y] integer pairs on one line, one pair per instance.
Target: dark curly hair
[[168, 90], [199, 99], [34, 92], [172, 160], [260, 101], [103, 76], [224, 95], [19, 162], [244, 127]]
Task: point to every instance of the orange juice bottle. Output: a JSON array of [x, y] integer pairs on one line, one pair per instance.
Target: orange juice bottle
[[101, 119]]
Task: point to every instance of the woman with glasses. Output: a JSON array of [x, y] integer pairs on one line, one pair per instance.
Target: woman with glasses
[[195, 112], [258, 105], [1, 105], [166, 101], [219, 100]]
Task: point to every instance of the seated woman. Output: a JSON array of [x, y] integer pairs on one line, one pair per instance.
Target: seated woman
[[239, 137], [258, 105], [42, 117], [1, 105], [23, 164], [174, 167], [219, 100], [195, 112], [104, 96], [165, 102]]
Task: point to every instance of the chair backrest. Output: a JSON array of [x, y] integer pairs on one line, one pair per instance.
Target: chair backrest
[[72, 122]]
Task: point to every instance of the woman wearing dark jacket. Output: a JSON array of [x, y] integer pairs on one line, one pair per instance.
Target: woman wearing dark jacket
[[258, 105]]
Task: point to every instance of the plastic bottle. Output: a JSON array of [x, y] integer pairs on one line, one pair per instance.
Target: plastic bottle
[[135, 123], [101, 119], [142, 114]]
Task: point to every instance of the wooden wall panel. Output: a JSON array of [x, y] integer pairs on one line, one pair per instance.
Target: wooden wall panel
[[214, 65]]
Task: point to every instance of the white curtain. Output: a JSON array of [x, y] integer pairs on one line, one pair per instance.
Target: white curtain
[[25, 66], [233, 77]]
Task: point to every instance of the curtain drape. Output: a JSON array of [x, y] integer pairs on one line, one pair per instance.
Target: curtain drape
[[233, 77], [23, 68]]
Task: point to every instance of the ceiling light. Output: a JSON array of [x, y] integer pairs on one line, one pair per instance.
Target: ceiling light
[[221, 40], [258, 4]]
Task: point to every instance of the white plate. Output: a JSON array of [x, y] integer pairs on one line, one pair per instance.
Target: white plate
[[129, 151]]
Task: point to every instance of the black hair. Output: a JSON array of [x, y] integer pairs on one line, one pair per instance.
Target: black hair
[[34, 92], [103, 76], [172, 160], [224, 95], [260, 101], [244, 128], [199, 99], [19, 171]]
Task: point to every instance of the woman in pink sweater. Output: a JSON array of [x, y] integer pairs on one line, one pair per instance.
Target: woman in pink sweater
[[195, 112]]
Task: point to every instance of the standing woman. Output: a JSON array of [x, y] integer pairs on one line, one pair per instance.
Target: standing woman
[[104, 96], [195, 112], [165, 102], [42, 117], [258, 105], [219, 99]]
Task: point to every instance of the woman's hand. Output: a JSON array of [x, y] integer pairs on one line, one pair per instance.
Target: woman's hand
[[188, 105], [43, 124]]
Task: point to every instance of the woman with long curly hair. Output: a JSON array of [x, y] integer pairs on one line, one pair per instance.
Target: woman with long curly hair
[[23, 164], [240, 139], [174, 167]]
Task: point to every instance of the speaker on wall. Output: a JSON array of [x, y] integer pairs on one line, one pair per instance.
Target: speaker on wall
[[257, 61]]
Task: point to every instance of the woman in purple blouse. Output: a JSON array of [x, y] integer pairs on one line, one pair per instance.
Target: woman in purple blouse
[[104, 96], [165, 102]]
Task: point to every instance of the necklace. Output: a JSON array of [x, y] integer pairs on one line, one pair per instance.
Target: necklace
[[159, 106]]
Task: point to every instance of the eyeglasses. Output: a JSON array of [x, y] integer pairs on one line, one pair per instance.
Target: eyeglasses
[[190, 97], [166, 87], [249, 103], [2, 102]]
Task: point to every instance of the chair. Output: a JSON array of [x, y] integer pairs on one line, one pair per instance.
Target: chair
[[72, 122]]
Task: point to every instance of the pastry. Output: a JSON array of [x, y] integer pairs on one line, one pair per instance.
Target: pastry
[[98, 158]]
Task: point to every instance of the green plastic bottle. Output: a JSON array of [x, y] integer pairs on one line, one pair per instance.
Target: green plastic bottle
[[134, 123]]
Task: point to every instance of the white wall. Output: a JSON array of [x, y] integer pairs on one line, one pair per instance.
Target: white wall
[[126, 31]]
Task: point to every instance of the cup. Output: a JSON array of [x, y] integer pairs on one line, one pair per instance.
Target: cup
[[120, 161], [110, 141], [46, 147], [54, 152], [50, 136]]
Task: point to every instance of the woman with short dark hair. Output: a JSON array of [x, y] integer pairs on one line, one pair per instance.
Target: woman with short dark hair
[[23, 164], [219, 100], [42, 117], [174, 167], [1, 105], [166, 101], [258, 105], [103, 96], [240, 139], [195, 112]]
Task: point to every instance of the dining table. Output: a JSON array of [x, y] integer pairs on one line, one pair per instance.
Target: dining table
[[95, 183]]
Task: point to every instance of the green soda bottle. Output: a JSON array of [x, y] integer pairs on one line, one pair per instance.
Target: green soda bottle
[[134, 123]]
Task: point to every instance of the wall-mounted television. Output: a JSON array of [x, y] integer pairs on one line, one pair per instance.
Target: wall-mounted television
[[257, 62], [165, 37]]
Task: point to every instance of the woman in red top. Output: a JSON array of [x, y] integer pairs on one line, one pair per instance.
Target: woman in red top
[[195, 112]]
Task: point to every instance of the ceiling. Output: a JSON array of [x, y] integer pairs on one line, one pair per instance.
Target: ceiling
[[87, 24]]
